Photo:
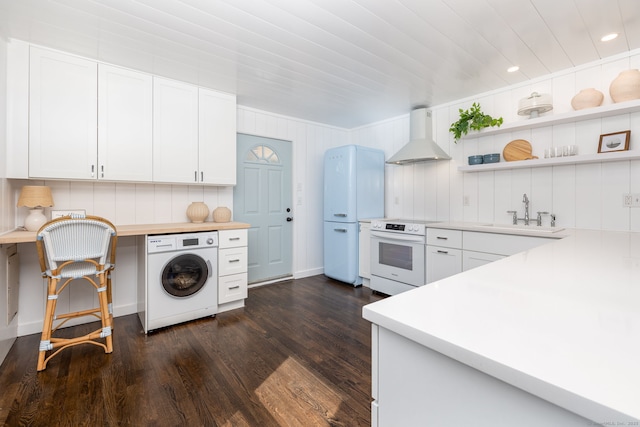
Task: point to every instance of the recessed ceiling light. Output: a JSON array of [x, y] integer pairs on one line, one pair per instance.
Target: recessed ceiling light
[[609, 37], [513, 69]]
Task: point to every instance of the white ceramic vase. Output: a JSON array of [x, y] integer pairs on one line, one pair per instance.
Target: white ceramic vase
[[626, 86], [197, 212], [587, 98], [222, 214]]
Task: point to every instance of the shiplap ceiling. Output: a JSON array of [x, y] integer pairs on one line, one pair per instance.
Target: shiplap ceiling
[[341, 62]]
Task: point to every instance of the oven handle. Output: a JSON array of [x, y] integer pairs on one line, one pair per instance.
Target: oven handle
[[395, 237]]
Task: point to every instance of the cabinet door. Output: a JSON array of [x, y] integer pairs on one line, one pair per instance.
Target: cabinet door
[[472, 259], [175, 131], [217, 138], [62, 116], [442, 262], [125, 124], [364, 252]]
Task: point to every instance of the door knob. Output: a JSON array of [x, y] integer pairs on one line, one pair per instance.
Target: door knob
[[289, 219]]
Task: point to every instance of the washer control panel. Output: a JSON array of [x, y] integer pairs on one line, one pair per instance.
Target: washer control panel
[[181, 242]]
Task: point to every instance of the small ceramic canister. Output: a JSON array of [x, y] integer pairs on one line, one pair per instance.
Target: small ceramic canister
[[222, 214], [587, 98], [626, 86]]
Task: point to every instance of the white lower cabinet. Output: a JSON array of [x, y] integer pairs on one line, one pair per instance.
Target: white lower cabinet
[[442, 262], [232, 288], [450, 252], [232, 269], [473, 259], [364, 252], [443, 253], [413, 385]]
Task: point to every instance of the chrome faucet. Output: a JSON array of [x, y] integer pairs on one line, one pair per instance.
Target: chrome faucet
[[514, 214]]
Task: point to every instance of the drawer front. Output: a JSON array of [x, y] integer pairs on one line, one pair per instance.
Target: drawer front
[[446, 238], [501, 244], [232, 238], [471, 259], [232, 261], [232, 288]]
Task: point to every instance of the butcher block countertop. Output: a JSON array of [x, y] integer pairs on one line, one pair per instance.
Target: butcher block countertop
[[21, 236]]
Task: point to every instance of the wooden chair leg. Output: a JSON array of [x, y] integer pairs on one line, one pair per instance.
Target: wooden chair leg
[[47, 327], [105, 313], [110, 298]]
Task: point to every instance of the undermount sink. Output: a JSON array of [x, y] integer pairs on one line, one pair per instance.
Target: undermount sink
[[521, 227]]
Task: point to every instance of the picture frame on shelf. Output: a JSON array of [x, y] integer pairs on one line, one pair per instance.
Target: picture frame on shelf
[[617, 141]]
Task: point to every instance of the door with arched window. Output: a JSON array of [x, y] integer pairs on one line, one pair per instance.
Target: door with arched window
[[262, 198]]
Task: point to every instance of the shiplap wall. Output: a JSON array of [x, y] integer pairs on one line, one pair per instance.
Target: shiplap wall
[[582, 196], [7, 212], [149, 204], [588, 196]]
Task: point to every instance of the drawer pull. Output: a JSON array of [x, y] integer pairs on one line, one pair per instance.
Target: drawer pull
[[234, 260], [443, 252], [234, 238], [234, 287], [442, 238]]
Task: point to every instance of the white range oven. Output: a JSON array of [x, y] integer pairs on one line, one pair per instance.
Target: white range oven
[[398, 260]]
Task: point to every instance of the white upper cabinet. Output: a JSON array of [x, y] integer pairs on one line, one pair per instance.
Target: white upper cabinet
[[88, 121], [62, 116], [92, 121], [194, 134], [217, 137], [175, 132], [125, 124]]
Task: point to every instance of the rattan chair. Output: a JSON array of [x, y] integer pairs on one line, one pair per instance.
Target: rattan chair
[[72, 250]]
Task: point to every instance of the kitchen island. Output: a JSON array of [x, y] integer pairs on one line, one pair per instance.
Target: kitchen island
[[549, 336]]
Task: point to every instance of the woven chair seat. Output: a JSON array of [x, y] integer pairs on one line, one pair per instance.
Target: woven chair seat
[[76, 270], [72, 248]]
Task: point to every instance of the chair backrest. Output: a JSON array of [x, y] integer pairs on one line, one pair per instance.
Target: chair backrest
[[75, 238]]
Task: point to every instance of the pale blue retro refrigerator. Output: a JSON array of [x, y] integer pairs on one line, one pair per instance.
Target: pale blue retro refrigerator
[[353, 190]]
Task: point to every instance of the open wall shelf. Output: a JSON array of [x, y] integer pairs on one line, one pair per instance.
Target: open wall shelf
[[562, 118], [615, 156]]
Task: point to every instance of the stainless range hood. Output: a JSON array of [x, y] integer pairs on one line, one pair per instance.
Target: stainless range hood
[[421, 147]]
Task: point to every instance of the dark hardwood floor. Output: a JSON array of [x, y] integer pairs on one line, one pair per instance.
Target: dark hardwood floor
[[298, 354]]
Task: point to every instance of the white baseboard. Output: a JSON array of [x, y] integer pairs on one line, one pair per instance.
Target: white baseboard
[[308, 273]]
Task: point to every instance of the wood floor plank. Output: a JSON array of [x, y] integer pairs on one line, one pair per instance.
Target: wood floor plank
[[298, 353]]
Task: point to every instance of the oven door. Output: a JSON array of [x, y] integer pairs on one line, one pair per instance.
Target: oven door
[[398, 257]]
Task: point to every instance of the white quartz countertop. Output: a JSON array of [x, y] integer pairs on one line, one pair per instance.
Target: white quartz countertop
[[561, 321]]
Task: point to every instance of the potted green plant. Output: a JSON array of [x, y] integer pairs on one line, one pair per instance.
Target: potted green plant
[[472, 118]]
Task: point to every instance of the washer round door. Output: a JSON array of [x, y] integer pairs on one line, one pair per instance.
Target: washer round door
[[184, 275]]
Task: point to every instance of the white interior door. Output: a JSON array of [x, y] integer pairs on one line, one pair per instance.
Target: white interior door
[[262, 198]]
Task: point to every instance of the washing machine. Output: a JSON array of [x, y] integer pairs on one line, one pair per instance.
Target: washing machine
[[181, 278]]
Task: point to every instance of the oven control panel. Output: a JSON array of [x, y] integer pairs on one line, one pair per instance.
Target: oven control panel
[[399, 227]]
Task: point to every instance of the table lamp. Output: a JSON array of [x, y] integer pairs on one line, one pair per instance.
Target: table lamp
[[35, 197]]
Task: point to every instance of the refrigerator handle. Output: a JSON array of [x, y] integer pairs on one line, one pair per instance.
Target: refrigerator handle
[[342, 215]]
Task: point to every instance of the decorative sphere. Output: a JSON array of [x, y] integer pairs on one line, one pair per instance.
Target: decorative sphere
[[197, 212], [222, 214]]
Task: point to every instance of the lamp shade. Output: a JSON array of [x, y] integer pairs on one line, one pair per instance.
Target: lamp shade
[[35, 196]]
